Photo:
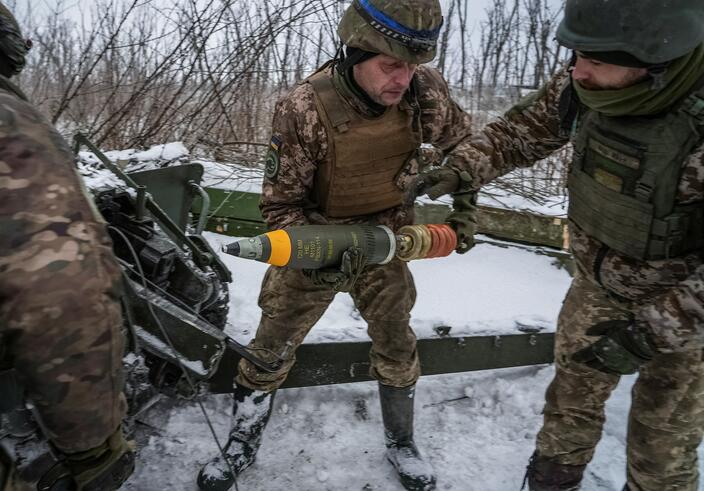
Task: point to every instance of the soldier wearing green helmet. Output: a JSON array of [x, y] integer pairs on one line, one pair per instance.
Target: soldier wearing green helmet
[[345, 146], [631, 102], [60, 322]]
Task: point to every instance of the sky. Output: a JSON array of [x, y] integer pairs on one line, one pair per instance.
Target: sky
[[74, 7]]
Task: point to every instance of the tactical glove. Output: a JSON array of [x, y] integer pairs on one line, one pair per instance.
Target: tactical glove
[[439, 181], [622, 349], [340, 279], [463, 220], [103, 468]]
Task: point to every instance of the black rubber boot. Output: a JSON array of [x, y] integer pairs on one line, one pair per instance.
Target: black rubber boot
[[397, 411], [544, 474], [250, 415]]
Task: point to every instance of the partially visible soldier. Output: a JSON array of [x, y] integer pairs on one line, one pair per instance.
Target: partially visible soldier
[[632, 103], [60, 315], [345, 146]]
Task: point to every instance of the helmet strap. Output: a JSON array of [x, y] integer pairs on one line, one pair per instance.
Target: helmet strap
[[657, 73], [350, 56]]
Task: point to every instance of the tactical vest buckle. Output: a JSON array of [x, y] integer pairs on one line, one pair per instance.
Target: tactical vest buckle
[[694, 107], [677, 225], [643, 191], [673, 246]]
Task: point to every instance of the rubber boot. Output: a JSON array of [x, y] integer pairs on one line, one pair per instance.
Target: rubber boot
[[250, 415], [544, 474], [397, 412]]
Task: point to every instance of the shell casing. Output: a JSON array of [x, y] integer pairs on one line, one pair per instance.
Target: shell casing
[[425, 241], [316, 246]]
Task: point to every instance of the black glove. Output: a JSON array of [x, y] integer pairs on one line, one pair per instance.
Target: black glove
[[622, 349], [340, 279], [463, 220], [103, 468]]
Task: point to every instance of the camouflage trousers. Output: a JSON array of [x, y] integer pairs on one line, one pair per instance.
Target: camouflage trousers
[[60, 319], [291, 305], [667, 411]]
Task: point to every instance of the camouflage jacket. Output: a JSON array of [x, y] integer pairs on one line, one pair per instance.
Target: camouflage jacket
[[60, 321], [302, 144], [666, 294]]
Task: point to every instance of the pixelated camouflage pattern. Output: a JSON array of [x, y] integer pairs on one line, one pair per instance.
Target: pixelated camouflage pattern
[[666, 421], [60, 318], [419, 15], [669, 293], [288, 199], [291, 305]]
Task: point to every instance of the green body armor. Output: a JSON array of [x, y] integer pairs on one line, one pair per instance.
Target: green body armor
[[624, 181]]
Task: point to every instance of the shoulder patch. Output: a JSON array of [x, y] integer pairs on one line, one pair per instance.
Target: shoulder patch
[[271, 164]]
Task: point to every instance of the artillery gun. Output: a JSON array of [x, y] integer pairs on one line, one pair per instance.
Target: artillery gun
[[177, 288], [177, 301]]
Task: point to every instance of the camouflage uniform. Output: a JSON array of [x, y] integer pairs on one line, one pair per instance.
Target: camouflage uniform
[[667, 413], [60, 317], [384, 295]]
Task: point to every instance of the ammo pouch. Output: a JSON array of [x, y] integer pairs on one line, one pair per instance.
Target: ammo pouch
[[624, 180]]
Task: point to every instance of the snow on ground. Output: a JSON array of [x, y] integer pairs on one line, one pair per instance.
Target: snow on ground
[[477, 429], [491, 290]]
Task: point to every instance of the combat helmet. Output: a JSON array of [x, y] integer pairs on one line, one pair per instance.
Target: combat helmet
[[638, 32], [407, 30], [13, 47]]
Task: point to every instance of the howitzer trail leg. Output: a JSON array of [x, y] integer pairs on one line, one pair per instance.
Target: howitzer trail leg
[[397, 412], [250, 414], [666, 423]]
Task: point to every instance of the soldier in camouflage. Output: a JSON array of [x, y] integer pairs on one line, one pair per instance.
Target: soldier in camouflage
[[60, 321], [345, 147], [632, 104]]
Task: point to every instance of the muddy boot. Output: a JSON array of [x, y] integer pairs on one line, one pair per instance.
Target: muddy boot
[[543, 474], [397, 411], [249, 417]]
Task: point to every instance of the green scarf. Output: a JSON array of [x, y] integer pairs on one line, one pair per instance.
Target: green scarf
[[640, 99]]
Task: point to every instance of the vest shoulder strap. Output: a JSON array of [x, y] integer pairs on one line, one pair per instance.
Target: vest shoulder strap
[[568, 108], [331, 101]]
